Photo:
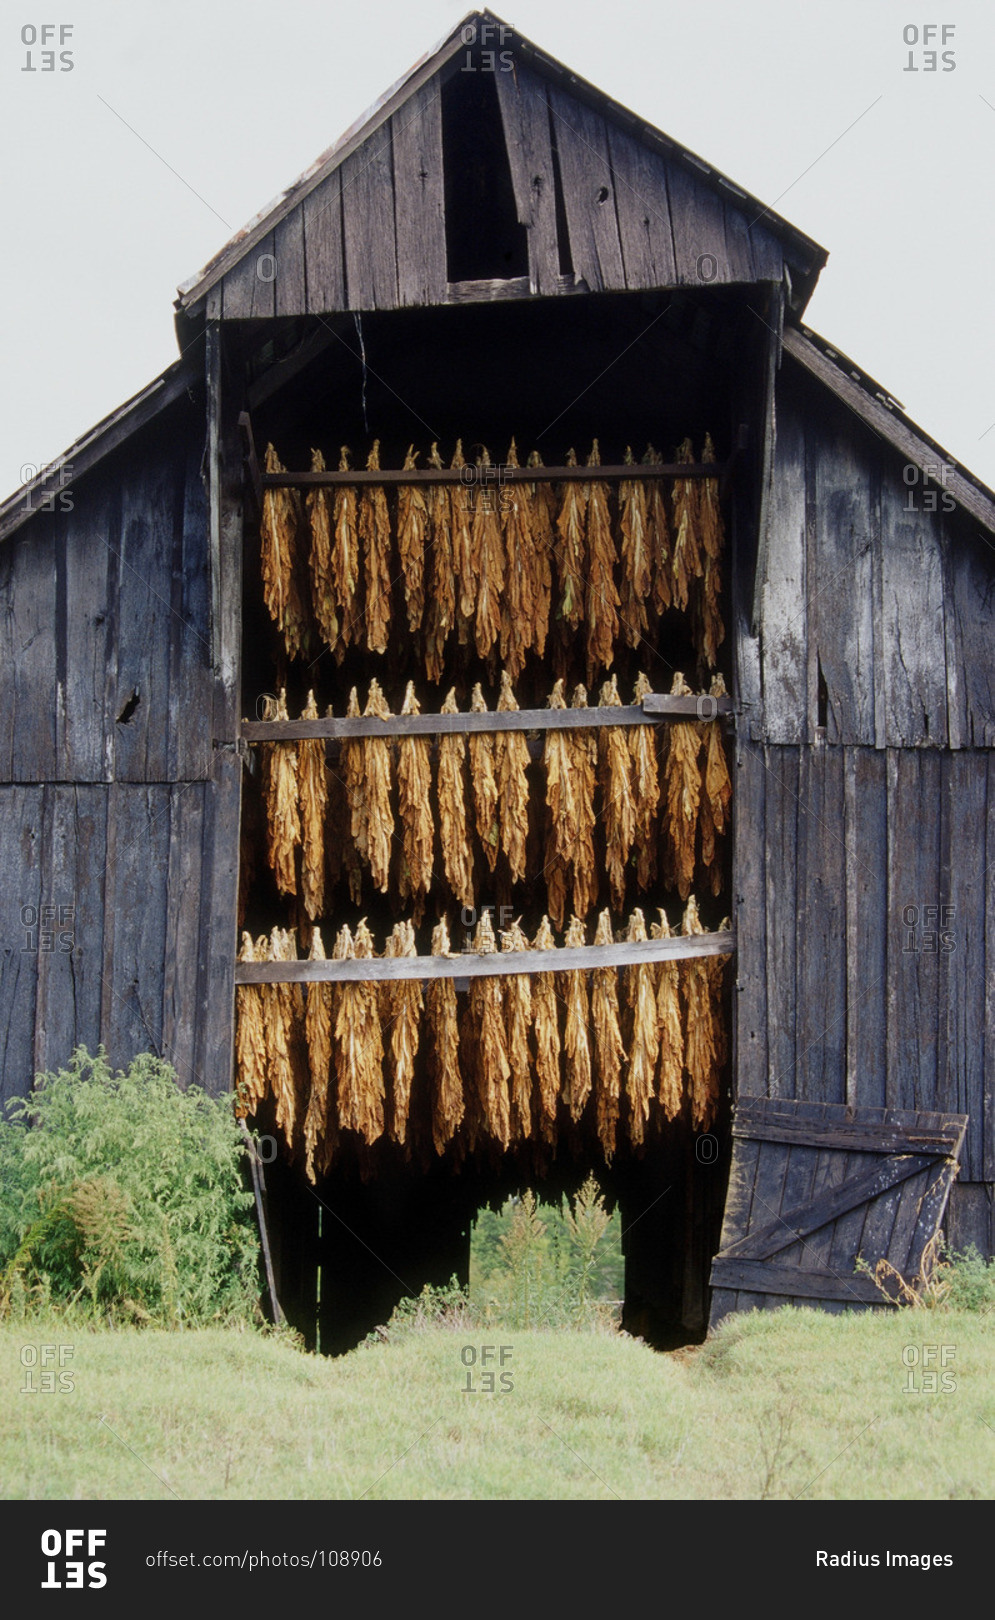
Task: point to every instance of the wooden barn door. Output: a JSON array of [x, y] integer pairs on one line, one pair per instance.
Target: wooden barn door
[[814, 1186]]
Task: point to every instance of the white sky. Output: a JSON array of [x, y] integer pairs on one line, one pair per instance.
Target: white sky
[[238, 98]]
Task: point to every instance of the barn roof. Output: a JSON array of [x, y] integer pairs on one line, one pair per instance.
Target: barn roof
[[803, 257]]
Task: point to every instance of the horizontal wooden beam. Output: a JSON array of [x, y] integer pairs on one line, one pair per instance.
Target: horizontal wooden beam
[[474, 477], [850, 1138], [761, 1277], [655, 706], [495, 964]]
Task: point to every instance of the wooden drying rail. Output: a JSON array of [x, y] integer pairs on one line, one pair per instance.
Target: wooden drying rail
[[474, 476], [655, 706], [486, 965]]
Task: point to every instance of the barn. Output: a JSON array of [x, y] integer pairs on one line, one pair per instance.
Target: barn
[[499, 255]]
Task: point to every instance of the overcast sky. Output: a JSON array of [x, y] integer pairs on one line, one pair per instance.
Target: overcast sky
[[179, 121]]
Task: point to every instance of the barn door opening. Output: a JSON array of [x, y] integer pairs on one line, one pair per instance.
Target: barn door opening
[[815, 1187]]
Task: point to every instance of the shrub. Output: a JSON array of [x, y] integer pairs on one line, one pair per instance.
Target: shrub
[[124, 1195]]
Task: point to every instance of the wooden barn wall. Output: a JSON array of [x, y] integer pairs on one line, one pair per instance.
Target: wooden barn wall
[[866, 934], [877, 614], [105, 600], [118, 840], [372, 235]]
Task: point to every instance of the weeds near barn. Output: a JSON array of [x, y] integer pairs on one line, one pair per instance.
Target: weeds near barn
[[948, 1279]]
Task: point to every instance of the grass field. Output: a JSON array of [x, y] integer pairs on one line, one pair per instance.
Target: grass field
[[778, 1405]]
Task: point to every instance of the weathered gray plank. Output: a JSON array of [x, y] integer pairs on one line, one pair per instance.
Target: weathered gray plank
[[184, 901], [368, 225], [324, 252], [988, 1097], [191, 678], [419, 187], [866, 837], [249, 289], [739, 244], [969, 626], [525, 119], [914, 879], [656, 707], [789, 1281], [588, 192], [85, 754], [838, 578], [783, 627], [750, 1000], [20, 898], [820, 976], [913, 642], [144, 591], [32, 648], [290, 285], [781, 879], [697, 218], [55, 1018], [643, 210], [216, 946], [958, 935], [134, 920], [970, 1216]]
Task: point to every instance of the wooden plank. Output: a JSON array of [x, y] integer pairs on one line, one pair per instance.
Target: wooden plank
[[324, 249], [761, 1110], [697, 219], [830, 1175], [739, 244], [759, 1276], [912, 625], [144, 557], [969, 628], [847, 1138], [588, 192], [20, 899], [55, 1016], [216, 945], [928, 1214], [749, 889], [290, 285], [470, 965], [866, 839], [87, 834], [987, 1172], [135, 921], [838, 577], [735, 1218], [525, 119], [643, 208], [496, 475], [249, 291], [224, 548], [958, 938], [184, 900], [888, 425], [857, 1189], [782, 626], [32, 646], [782, 766], [419, 186], [970, 1217], [649, 712], [368, 225], [768, 255], [820, 974], [191, 677]]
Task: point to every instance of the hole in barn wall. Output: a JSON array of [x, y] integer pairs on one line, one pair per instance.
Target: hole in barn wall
[[603, 194], [484, 241], [129, 709]]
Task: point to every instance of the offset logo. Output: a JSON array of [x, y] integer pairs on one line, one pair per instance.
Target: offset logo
[[65, 1568]]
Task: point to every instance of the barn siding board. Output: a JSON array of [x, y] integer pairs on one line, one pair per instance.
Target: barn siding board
[[290, 282], [914, 872], [184, 901], [820, 1061], [55, 1020], [783, 629], [324, 251], [987, 1109], [90, 647], [368, 225], [739, 245], [960, 941], [525, 120], [866, 834], [33, 652], [217, 942], [134, 920], [698, 221], [144, 590], [782, 831], [750, 999], [838, 575], [250, 285], [87, 838], [970, 1216], [588, 193], [912, 629], [643, 209], [419, 197], [969, 622], [20, 898], [191, 678]]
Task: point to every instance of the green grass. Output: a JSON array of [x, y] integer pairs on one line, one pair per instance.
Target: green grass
[[784, 1404]]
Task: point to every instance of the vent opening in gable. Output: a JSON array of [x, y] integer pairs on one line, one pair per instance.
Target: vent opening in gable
[[484, 240]]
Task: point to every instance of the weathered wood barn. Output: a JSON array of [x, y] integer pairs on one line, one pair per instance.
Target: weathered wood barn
[[499, 251]]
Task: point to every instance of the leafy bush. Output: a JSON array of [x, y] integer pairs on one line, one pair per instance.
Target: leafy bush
[[123, 1195]]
